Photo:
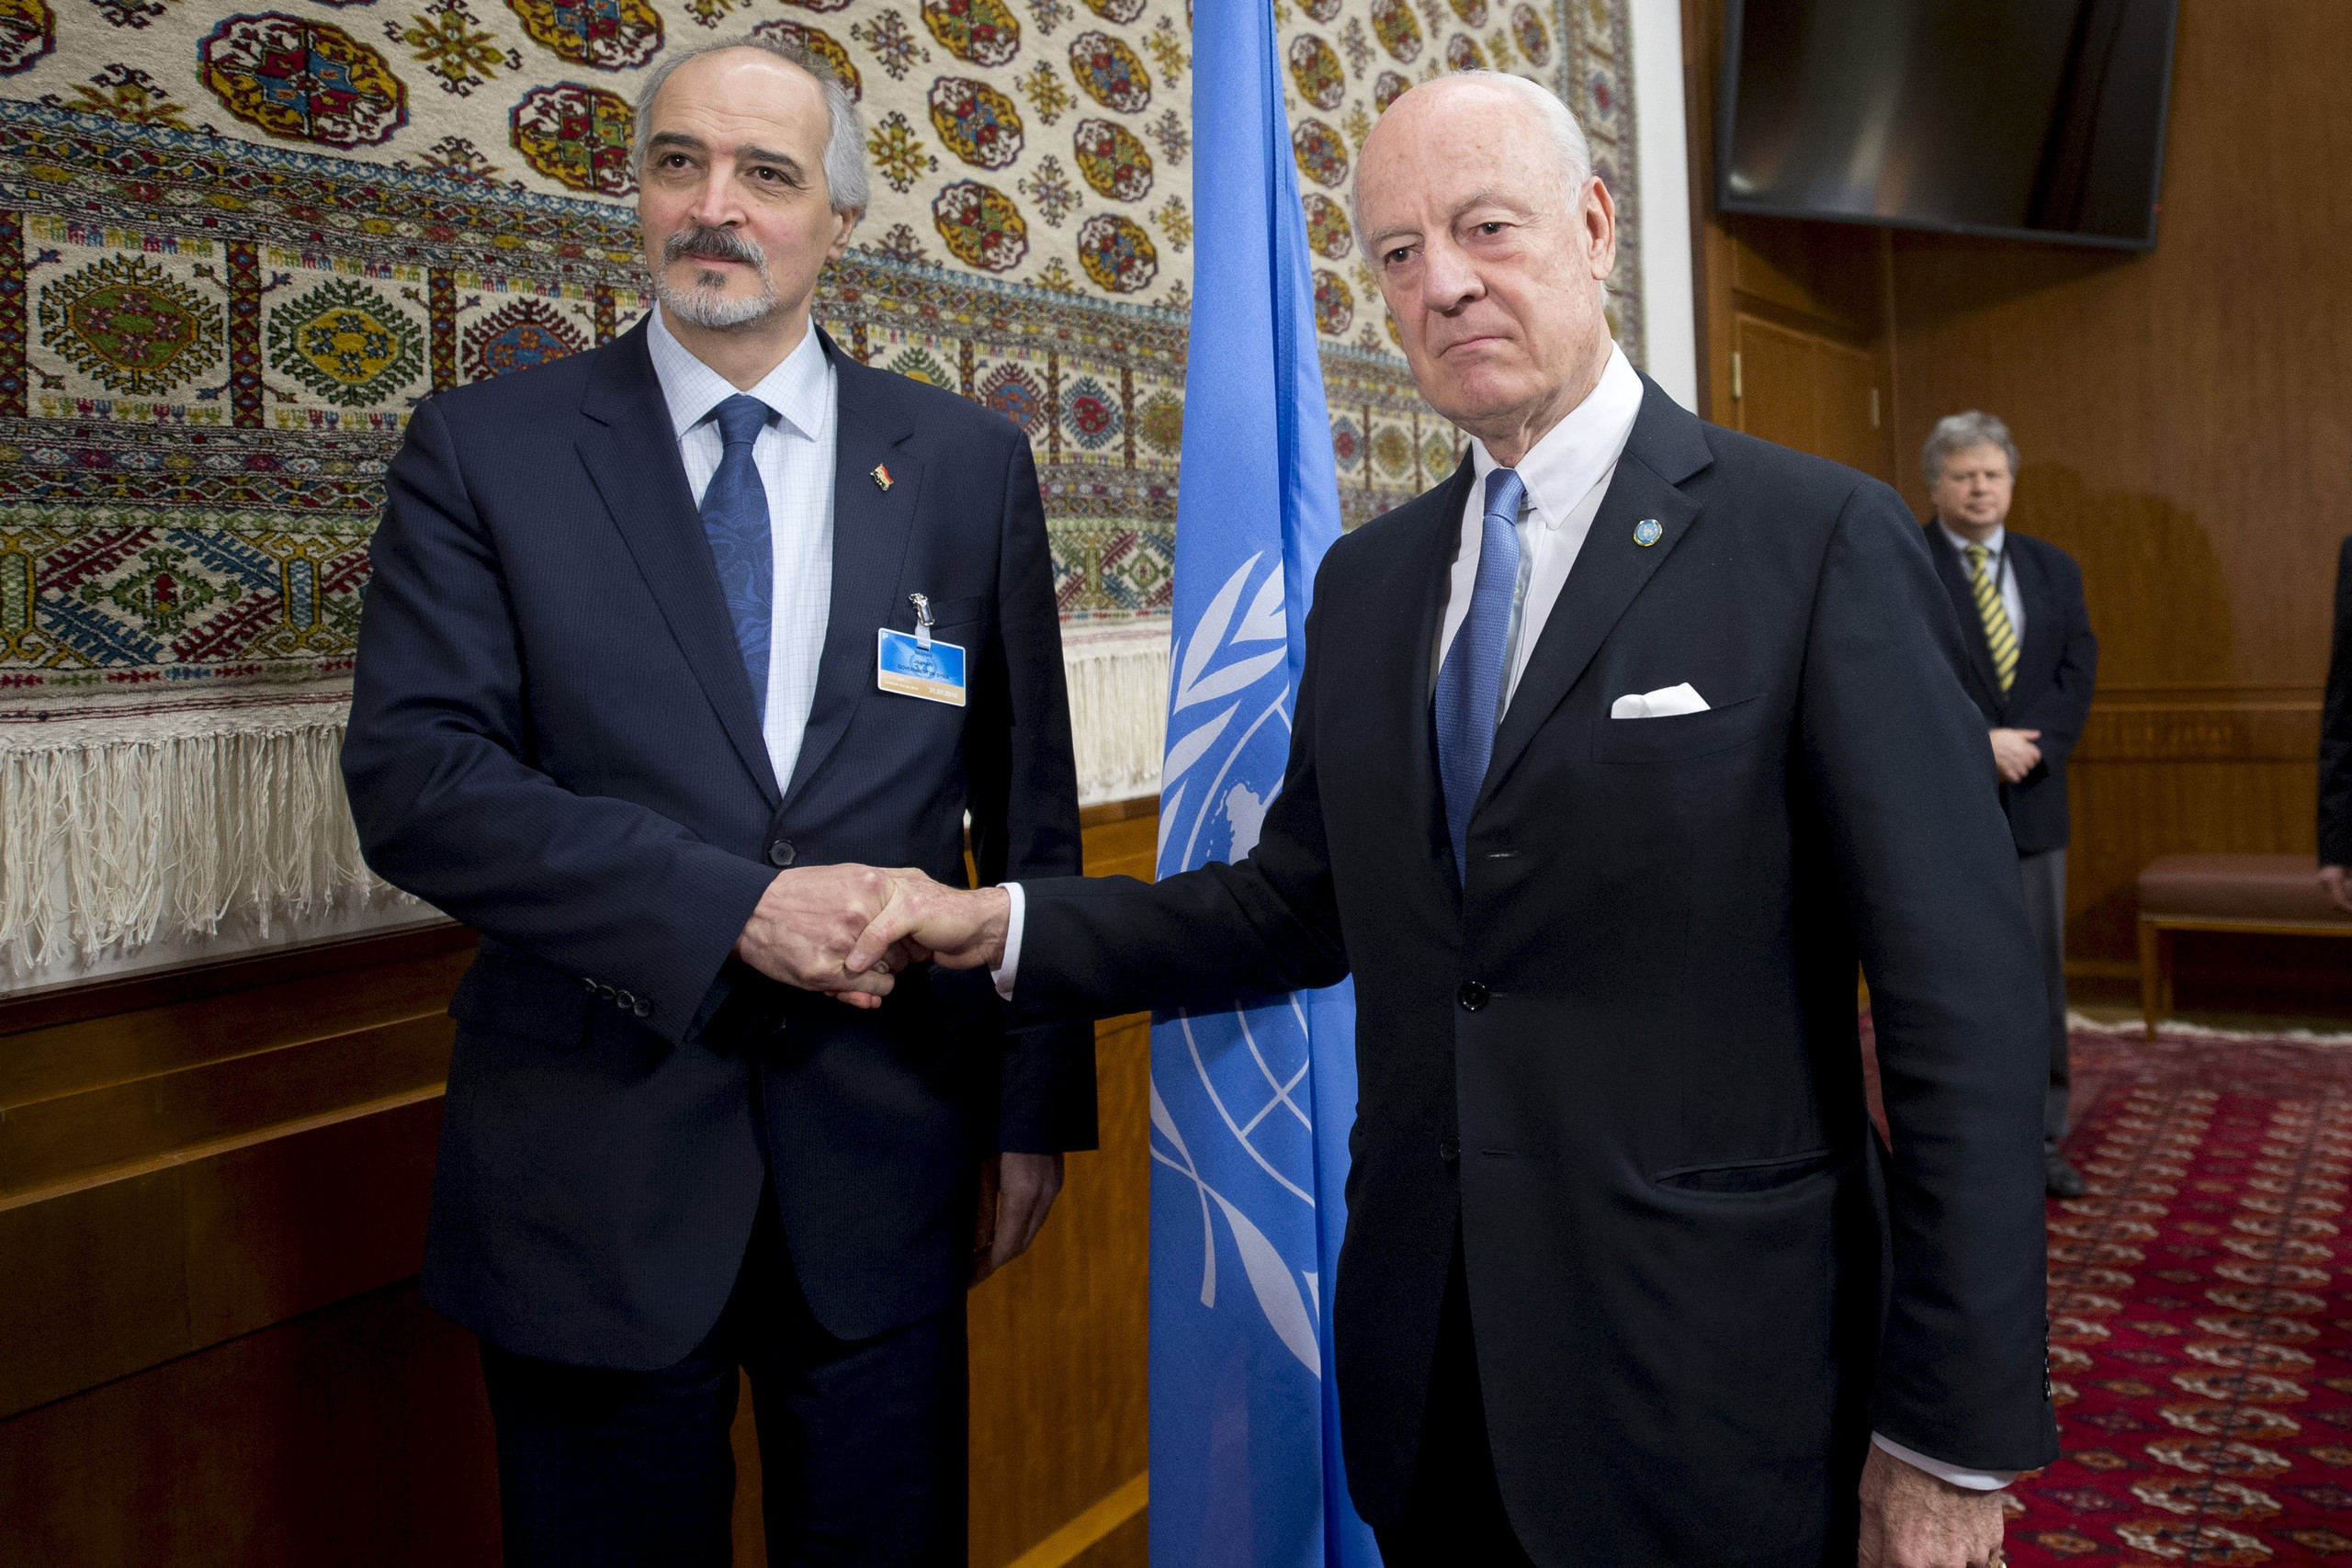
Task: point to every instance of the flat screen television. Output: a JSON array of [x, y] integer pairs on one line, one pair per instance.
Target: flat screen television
[[2036, 119]]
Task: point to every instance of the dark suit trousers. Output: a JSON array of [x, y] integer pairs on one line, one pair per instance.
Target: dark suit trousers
[[1454, 1512], [2044, 879], [862, 1443]]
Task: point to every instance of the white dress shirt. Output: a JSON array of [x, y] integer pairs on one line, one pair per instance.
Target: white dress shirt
[[1567, 474], [2004, 574], [795, 456]]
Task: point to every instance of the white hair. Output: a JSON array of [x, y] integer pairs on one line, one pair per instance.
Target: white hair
[[1957, 433], [844, 160]]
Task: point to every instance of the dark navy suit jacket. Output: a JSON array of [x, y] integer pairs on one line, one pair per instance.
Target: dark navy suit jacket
[[1622, 1062], [2057, 665], [553, 739]]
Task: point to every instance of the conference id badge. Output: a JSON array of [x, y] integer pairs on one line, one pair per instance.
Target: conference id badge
[[918, 667]]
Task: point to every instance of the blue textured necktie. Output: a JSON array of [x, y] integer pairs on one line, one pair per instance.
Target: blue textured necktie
[[1470, 681], [735, 516]]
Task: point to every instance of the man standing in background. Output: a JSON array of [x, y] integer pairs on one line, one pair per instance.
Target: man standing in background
[[2031, 660], [2336, 748]]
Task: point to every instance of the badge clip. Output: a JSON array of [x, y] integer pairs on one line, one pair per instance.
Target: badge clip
[[922, 601]]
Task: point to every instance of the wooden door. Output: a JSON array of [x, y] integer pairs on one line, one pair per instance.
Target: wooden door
[[1810, 392]]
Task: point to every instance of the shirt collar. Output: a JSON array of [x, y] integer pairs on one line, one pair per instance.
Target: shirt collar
[[799, 390], [1961, 542], [1562, 468]]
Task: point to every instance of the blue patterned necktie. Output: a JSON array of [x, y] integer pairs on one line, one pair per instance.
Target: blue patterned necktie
[[735, 516], [1470, 681]]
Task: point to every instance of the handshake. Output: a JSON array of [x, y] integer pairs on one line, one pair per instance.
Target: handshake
[[848, 930]]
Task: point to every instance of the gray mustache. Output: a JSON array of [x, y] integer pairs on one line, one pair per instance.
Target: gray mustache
[[725, 243]]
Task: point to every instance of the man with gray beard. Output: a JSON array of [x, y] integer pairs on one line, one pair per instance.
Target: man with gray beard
[[660, 636]]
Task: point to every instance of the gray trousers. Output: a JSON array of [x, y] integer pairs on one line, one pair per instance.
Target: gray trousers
[[2043, 876]]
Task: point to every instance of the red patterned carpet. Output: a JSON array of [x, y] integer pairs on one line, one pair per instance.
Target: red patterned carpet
[[2200, 1328]]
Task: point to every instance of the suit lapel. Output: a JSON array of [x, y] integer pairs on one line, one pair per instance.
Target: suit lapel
[[871, 528], [1667, 446], [2038, 648], [634, 464], [1955, 573]]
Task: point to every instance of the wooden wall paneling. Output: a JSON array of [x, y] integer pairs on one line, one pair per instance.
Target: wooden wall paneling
[[2181, 412], [1059, 1369], [189, 1164], [53, 1139], [110, 1275], [356, 1436], [2182, 415], [95, 1286], [213, 1192], [1776, 393], [1058, 1364]]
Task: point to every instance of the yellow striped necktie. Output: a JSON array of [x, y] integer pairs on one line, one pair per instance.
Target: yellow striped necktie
[[1999, 635]]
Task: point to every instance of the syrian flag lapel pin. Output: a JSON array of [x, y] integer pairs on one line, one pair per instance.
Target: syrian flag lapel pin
[[882, 476]]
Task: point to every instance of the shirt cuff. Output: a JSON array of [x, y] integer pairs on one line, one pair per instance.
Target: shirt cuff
[[1973, 1480], [1008, 973]]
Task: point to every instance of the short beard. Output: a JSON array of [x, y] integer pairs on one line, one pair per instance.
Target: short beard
[[705, 304]]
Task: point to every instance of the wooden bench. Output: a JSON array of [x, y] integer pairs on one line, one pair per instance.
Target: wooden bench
[[2278, 894]]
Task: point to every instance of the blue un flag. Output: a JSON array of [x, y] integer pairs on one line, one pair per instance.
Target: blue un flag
[[1249, 1106]]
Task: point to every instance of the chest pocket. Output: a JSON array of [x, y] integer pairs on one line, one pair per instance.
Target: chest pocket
[[1680, 737], [949, 613]]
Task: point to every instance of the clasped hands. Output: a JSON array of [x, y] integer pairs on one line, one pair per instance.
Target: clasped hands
[[850, 930]]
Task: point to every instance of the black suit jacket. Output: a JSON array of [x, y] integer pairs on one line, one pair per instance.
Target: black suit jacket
[[2336, 729], [1623, 1060], [553, 739], [2057, 665]]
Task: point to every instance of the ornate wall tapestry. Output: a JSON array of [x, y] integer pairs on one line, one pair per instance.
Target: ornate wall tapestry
[[236, 247]]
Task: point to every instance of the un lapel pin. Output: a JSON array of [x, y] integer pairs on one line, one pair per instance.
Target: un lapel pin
[[882, 476], [1648, 532]]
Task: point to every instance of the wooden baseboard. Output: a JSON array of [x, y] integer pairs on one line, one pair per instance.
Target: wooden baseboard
[[1066, 1544]]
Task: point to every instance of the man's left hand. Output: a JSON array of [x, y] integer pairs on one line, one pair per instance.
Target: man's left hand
[[2335, 881], [1912, 1520], [1015, 1192]]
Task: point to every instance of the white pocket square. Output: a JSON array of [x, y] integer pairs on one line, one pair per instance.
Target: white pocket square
[[1664, 703]]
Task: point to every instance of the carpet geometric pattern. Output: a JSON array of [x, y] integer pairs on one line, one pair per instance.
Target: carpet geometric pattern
[[2200, 1325]]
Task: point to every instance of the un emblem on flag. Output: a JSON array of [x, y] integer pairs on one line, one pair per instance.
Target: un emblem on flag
[[1232, 1103]]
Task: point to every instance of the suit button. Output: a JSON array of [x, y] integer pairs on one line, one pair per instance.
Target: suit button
[[624, 1001], [642, 1007], [780, 853], [589, 981], [1449, 1149], [1471, 995]]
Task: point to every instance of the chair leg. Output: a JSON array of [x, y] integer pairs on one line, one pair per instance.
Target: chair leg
[[2153, 954]]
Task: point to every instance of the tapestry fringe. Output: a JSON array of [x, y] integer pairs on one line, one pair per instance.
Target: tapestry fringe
[[1118, 706], [117, 828]]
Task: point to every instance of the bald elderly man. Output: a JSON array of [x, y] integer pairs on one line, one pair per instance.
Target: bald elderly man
[[1613, 756]]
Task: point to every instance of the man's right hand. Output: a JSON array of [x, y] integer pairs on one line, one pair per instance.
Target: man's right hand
[[2014, 754], [960, 928], [807, 921]]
